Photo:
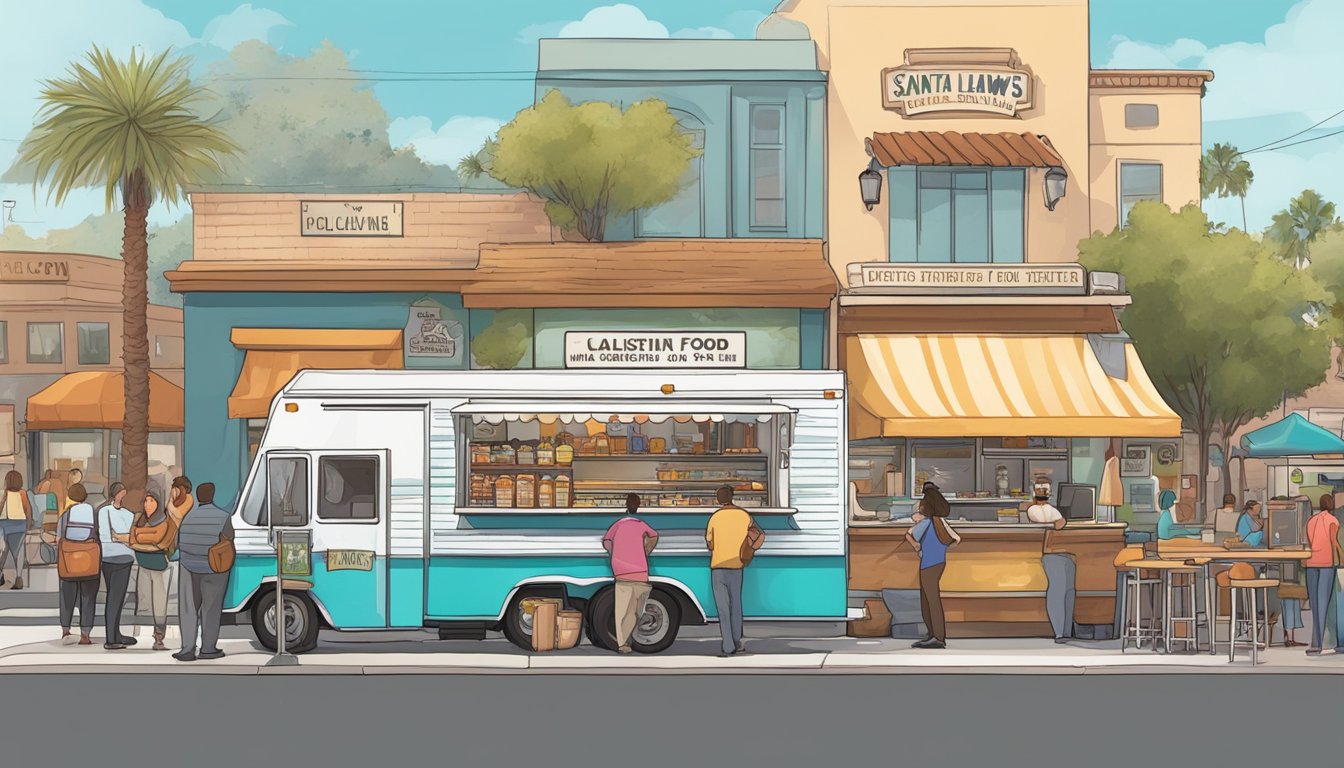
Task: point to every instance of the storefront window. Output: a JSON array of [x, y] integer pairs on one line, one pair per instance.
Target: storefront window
[[82, 450], [592, 460], [7, 439], [165, 460], [1138, 182], [46, 342], [949, 465], [972, 216], [773, 335], [95, 346], [683, 215], [168, 351]]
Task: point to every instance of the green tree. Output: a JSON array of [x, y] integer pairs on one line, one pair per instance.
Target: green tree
[[128, 126], [504, 341], [1217, 319], [591, 161], [1295, 229], [1223, 171]]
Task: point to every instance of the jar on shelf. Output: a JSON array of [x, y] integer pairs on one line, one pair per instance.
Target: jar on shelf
[[546, 492], [504, 491], [564, 454], [525, 491], [545, 452], [563, 497], [657, 445], [527, 454]]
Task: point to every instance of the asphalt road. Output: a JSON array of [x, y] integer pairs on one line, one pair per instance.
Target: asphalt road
[[605, 720]]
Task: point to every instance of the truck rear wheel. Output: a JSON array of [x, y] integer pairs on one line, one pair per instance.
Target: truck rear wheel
[[655, 631], [301, 622]]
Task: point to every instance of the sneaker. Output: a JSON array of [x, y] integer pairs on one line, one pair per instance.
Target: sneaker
[[85, 640], [930, 643], [741, 648], [624, 649], [113, 647], [127, 640], [1061, 640], [18, 583], [185, 656], [68, 639], [1313, 651], [210, 655]]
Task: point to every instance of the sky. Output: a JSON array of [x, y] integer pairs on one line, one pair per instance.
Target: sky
[[1269, 56]]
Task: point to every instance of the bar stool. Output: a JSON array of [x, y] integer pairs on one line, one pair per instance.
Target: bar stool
[[1248, 588], [1132, 625], [1188, 590]]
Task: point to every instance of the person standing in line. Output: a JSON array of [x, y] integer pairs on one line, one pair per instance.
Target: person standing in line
[[78, 523], [200, 591], [16, 517], [1061, 569], [1326, 555], [730, 531], [931, 538], [180, 503], [114, 530], [151, 535], [630, 541]]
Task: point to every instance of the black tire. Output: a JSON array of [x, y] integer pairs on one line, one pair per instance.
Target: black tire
[[300, 616], [654, 633], [516, 625]]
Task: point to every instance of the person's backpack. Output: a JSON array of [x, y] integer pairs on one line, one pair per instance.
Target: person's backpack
[[79, 560]]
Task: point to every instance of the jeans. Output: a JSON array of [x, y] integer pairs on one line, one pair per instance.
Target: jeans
[[85, 593], [200, 605], [1061, 573], [630, 597], [727, 584], [151, 592], [1320, 590], [931, 601], [116, 577], [14, 531]]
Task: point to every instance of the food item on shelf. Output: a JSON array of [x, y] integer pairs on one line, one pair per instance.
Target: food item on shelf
[[545, 452], [583, 446], [525, 491], [527, 454], [508, 454], [562, 487], [657, 445], [546, 492], [564, 454], [698, 448], [749, 438], [480, 453], [482, 490], [620, 446], [504, 491], [601, 445], [639, 442]]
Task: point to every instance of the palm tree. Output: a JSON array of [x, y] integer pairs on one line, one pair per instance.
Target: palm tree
[[1295, 229], [126, 126], [1224, 172], [477, 164]]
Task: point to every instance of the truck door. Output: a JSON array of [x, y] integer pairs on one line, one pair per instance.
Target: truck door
[[350, 536]]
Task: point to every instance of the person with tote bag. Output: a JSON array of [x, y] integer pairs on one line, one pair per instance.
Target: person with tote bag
[[78, 564], [931, 537]]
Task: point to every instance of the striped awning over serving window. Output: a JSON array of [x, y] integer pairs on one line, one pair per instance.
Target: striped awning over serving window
[[972, 385], [996, 150]]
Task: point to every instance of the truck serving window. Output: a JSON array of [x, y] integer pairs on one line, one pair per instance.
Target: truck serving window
[[347, 488]]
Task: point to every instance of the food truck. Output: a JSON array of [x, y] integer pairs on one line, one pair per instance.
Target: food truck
[[448, 499]]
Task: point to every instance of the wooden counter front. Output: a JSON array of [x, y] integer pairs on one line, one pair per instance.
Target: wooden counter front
[[994, 585]]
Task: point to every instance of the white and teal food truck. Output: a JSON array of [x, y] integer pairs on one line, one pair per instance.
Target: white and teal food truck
[[446, 499]]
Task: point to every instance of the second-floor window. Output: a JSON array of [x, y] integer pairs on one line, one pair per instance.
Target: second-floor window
[[95, 345], [4, 342], [46, 343], [966, 216], [767, 166], [1138, 182]]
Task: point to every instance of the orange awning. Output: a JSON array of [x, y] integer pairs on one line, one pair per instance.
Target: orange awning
[[274, 355], [96, 400]]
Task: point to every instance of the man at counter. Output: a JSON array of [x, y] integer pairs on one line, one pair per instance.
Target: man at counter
[[1061, 570]]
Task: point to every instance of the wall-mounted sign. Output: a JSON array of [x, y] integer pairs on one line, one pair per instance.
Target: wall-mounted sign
[[350, 218], [986, 81], [655, 349], [429, 334], [969, 278], [349, 560], [30, 269], [1137, 461]]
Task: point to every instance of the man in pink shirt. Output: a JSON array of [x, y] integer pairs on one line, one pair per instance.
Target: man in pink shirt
[[629, 541], [1326, 555]]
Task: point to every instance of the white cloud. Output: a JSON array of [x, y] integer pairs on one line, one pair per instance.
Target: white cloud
[[1256, 81], [455, 139], [620, 20], [711, 33], [244, 23]]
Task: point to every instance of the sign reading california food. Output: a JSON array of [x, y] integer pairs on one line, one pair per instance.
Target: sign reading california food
[[988, 81]]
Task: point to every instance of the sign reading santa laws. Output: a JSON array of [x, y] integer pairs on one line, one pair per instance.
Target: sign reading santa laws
[[988, 81]]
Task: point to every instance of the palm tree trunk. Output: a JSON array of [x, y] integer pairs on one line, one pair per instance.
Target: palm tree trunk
[[1243, 213], [135, 341]]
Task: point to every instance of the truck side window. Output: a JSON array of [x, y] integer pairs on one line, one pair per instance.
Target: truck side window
[[347, 488], [287, 479]]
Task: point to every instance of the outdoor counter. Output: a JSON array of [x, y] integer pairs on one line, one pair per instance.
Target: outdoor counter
[[994, 585]]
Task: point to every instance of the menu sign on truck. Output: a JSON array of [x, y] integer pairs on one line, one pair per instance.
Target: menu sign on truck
[[655, 349]]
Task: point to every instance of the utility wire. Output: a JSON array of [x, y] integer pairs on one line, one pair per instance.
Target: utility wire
[[1293, 136], [1295, 143]]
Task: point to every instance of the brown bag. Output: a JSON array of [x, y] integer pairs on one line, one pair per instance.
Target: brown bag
[[221, 555], [80, 560], [755, 538]]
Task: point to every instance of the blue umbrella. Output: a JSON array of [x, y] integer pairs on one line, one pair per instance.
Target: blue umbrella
[[1292, 436]]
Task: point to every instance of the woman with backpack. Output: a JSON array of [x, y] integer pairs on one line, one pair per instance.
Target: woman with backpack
[[79, 524], [152, 537], [931, 537], [16, 517]]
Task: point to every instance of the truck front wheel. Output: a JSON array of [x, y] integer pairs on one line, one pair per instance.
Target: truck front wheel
[[655, 630], [301, 621]]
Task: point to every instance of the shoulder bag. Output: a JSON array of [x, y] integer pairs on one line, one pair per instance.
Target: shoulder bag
[[221, 555], [753, 541], [80, 560]]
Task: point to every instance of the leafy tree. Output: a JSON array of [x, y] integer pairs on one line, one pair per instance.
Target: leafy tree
[[1217, 319], [592, 160], [1294, 230], [504, 341], [1224, 172], [128, 126]]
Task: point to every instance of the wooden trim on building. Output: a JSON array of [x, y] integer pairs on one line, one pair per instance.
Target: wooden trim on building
[[332, 276], [955, 319], [1175, 79]]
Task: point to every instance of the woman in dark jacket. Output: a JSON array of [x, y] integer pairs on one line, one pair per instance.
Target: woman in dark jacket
[[931, 537]]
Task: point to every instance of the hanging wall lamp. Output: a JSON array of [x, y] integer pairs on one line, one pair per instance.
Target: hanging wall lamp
[[1056, 184], [870, 185]]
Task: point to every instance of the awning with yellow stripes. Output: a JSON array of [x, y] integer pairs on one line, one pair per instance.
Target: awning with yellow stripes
[[274, 355], [974, 385]]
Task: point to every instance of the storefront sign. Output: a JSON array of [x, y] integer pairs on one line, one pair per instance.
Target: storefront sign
[[988, 82], [34, 270], [970, 278], [349, 560], [352, 218], [655, 349], [429, 334]]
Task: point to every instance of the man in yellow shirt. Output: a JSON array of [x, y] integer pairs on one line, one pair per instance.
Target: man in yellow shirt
[[729, 529]]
